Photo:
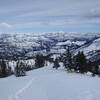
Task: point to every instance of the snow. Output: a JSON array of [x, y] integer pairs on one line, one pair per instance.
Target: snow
[[64, 43], [94, 46], [69, 42], [50, 84]]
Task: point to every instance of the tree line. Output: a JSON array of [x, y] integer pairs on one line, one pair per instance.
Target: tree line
[[73, 63], [21, 67], [77, 63]]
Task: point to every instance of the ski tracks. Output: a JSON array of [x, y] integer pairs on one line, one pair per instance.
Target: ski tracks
[[16, 96]]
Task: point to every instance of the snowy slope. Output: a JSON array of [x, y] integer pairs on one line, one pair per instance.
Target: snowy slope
[[69, 42], [91, 50], [49, 84], [95, 45]]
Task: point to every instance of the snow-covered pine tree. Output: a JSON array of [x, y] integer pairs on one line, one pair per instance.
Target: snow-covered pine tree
[[20, 69], [67, 59]]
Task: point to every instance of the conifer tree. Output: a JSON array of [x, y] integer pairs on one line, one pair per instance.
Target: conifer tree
[[20, 69], [39, 61], [3, 64], [80, 62], [56, 64], [3, 67], [67, 59]]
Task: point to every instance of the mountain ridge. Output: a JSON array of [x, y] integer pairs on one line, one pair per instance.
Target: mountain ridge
[[25, 45]]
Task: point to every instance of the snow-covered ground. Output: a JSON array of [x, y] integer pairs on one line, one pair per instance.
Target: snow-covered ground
[[50, 84]]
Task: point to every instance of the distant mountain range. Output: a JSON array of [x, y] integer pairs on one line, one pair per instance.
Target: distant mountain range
[[25, 45]]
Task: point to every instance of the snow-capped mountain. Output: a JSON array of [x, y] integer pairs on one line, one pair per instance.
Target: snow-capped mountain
[[23, 45], [91, 49]]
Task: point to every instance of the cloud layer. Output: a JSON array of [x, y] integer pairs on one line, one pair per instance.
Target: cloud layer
[[39, 15], [5, 26]]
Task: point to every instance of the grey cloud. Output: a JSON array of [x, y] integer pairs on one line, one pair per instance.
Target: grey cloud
[[5, 26], [95, 13], [92, 16]]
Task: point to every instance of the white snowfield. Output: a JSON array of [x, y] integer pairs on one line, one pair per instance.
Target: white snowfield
[[50, 84]]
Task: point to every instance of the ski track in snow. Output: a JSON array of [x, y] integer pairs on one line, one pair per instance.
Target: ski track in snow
[[20, 91], [16, 96]]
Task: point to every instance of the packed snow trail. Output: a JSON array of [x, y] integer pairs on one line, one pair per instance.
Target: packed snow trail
[[50, 84], [16, 96]]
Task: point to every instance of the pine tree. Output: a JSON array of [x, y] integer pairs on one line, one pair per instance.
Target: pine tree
[[67, 59], [89, 66], [20, 69], [39, 61], [95, 69], [3, 64], [3, 72], [80, 62], [56, 64], [5, 69]]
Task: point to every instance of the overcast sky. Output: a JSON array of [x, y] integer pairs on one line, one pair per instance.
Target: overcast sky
[[49, 15]]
